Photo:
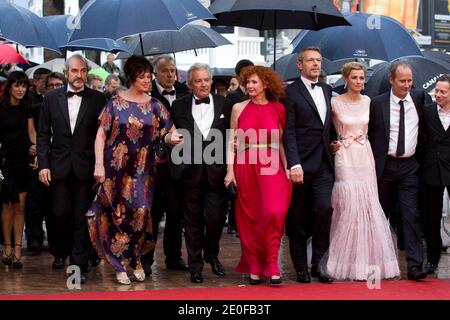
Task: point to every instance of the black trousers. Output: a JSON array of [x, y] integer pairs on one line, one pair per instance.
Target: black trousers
[[71, 199], [310, 215], [38, 207], [203, 220], [399, 186], [431, 205], [166, 199]]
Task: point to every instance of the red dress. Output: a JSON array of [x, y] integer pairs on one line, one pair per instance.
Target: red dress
[[264, 191]]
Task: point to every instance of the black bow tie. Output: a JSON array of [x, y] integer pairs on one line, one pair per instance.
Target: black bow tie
[[314, 84], [71, 94], [170, 93], [200, 101]]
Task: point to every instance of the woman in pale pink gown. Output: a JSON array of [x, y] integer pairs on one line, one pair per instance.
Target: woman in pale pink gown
[[258, 170], [361, 243]]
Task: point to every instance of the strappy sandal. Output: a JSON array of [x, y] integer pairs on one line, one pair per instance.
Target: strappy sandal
[[7, 259], [17, 262], [139, 274]]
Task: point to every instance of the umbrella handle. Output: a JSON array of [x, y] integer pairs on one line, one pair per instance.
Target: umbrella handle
[[316, 20]]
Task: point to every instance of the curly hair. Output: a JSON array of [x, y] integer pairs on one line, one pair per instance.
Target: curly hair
[[275, 87], [136, 65]]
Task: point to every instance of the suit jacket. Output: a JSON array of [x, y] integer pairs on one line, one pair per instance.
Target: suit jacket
[[307, 138], [379, 126], [435, 169], [236, 96], [190, 174], [180, 91], [57, 148]]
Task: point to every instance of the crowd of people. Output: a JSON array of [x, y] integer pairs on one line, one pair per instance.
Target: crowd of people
[[103, 163]]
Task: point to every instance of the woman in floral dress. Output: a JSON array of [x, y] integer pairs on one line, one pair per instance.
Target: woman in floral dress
[[131, 126]]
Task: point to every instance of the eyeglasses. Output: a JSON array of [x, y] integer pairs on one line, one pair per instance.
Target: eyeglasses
[[55, 85]]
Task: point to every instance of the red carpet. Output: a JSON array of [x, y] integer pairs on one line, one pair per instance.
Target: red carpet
[[433, 289]]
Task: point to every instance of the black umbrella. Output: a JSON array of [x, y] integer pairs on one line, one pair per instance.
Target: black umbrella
[[438, 56], [339, 85], [277, 14], [425, 73], [191, 36]]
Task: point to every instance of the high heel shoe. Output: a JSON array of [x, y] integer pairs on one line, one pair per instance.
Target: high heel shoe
[[7, 258], [254, 281], [275, 281], [17, 262], [122, 278], [139, 274]]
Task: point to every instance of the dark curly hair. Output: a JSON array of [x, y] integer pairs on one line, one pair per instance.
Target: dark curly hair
[[16, 77], [272, 80], [136, 65]]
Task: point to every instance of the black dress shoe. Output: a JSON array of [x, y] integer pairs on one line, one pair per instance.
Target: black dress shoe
[[217, 267], [58, 263], [177, 265], [303, 276], [322, 277], [430, 268], [196, 277], [416, 274]]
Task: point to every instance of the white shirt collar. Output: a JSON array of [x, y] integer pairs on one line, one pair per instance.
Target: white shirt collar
[[396, 99], [308, 82], [160, 87]]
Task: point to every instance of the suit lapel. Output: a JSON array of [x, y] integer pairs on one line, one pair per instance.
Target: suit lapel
[[386, 107], [437, 120], [305, 93], [64, 106], [326, 93], [83, 108], [217, 110]]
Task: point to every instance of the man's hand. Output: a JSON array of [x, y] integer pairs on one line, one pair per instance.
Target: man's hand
[[334, 147], [45, 177], [297, 175]]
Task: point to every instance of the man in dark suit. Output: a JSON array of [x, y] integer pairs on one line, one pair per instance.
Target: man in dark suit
[[203, 119], [166, 89], [395, 131], [307, 144], [65, 146], [435, 168], [239, 94]]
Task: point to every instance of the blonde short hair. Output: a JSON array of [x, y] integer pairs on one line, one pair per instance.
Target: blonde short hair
[[349, 66]]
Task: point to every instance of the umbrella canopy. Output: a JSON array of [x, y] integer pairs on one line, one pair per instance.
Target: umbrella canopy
[[191, 36], [278, 14], [57, 65], [9, 55], [59, 26], [425, 73], [115, 19], [438, 56], [102, 73], [223, 72], [21, 26], [286, 66], [370, 36]]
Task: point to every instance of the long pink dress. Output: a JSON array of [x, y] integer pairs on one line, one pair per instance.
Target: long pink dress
[[264, 191], [361, 243]]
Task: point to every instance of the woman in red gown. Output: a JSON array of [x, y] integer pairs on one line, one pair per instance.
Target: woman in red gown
[[256, 164]]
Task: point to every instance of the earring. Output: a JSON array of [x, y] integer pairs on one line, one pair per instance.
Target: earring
[[345, 85]]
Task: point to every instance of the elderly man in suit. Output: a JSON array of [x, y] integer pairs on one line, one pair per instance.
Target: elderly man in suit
[[395, 133], [203, 118], [435, 168], [65, 148], [166, 89], [307, 142]]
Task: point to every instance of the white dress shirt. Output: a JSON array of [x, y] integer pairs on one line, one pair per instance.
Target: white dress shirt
[[444, 116], [74, 104], [169, 98], [203, 115], [411, 126], [318, 97]]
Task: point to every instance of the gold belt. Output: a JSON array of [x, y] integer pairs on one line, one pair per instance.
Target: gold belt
[[260, 146]]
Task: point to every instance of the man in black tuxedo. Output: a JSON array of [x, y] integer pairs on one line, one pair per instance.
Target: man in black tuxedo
[[307, 143], [435, 168], [239, 94], [203, 119], [166, 89], [395, 133], [65, 145]]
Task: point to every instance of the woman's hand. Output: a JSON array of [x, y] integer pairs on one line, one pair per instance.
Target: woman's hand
[[334, 146], [32, 151], [229, 178], [99, 173]]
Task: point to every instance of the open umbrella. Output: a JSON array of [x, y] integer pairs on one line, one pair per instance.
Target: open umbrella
[[425, 73], [277, 14], [21, 26], [59, 26], [191, 36], [370, 36], [9, 55], [57, 65], [116, 19], [438, 56]]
